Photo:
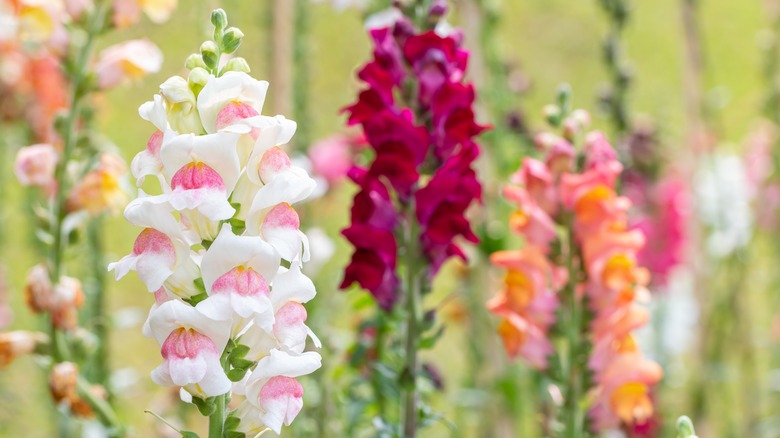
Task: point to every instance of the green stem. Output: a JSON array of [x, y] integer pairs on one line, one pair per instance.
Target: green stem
[[217, 418], [412, 295], [69, 136], [102, 408], [376, 381], [100, 328], [573, 384]]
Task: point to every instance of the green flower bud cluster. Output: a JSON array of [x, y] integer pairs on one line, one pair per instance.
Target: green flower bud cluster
[[181, 95], [226, 41]]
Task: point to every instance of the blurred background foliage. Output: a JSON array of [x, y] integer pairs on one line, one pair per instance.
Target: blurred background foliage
[[535, 45]]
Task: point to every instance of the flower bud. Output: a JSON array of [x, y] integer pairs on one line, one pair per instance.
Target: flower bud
[[193, 61], [18, 343], [38, 290], [63, 382], [180, 106], [219, 18], [34, 165], [197, 79], [210, 53], [231, 39], [438, 9], [237, 64], [100, 190], [68, 298], [552, 113]]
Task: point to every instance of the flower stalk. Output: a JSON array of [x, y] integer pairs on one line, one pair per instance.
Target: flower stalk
[[412, 296], [221, 247]]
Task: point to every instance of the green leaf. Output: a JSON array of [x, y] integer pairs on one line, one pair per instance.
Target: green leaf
[[198, 282], [206, 407], [428, 342], [242, 364], [193, 301], [231, 423], [234, 434], [189, 434], [236, 374], [238, 352]]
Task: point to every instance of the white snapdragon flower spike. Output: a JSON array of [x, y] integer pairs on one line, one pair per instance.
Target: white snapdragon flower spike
[[214, 238], [273, 396], [191, 346], [237, 271]]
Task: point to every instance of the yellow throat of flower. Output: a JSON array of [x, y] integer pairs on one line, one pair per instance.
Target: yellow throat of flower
[[631, 403]]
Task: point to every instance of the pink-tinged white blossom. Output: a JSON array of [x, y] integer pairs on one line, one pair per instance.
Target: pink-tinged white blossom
[[34, 166], [257, 132], [273, 396], [202, 171], [161, 254], [147, 162], [242, 92], [127, 61], [237, 272], [191, 346], [290, 289]]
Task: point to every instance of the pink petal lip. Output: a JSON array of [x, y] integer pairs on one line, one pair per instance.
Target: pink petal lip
[[282, 216], [234, 112], [243, 281], [153, 241], [197, 175], [187, 343]]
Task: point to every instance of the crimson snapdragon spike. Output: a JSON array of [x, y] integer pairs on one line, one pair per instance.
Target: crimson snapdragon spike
[[417, 116]]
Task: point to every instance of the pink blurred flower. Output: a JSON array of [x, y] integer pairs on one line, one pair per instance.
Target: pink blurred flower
[[331, 157], [127, 61], [35, 165], [128, 12], [624, 395], [665, 227]]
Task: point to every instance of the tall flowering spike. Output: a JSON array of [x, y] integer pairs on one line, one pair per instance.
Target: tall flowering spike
[[577, 271], [418, 181], [214, 240], [423, 151]]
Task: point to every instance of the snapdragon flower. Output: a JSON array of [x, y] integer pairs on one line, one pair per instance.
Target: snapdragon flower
[[221, 247], [579, 262]]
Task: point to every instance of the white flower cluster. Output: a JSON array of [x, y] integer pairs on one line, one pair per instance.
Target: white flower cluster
[[221, 248]]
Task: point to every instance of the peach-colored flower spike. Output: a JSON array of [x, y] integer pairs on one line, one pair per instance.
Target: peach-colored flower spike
[[221, 246], [552, 195]]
